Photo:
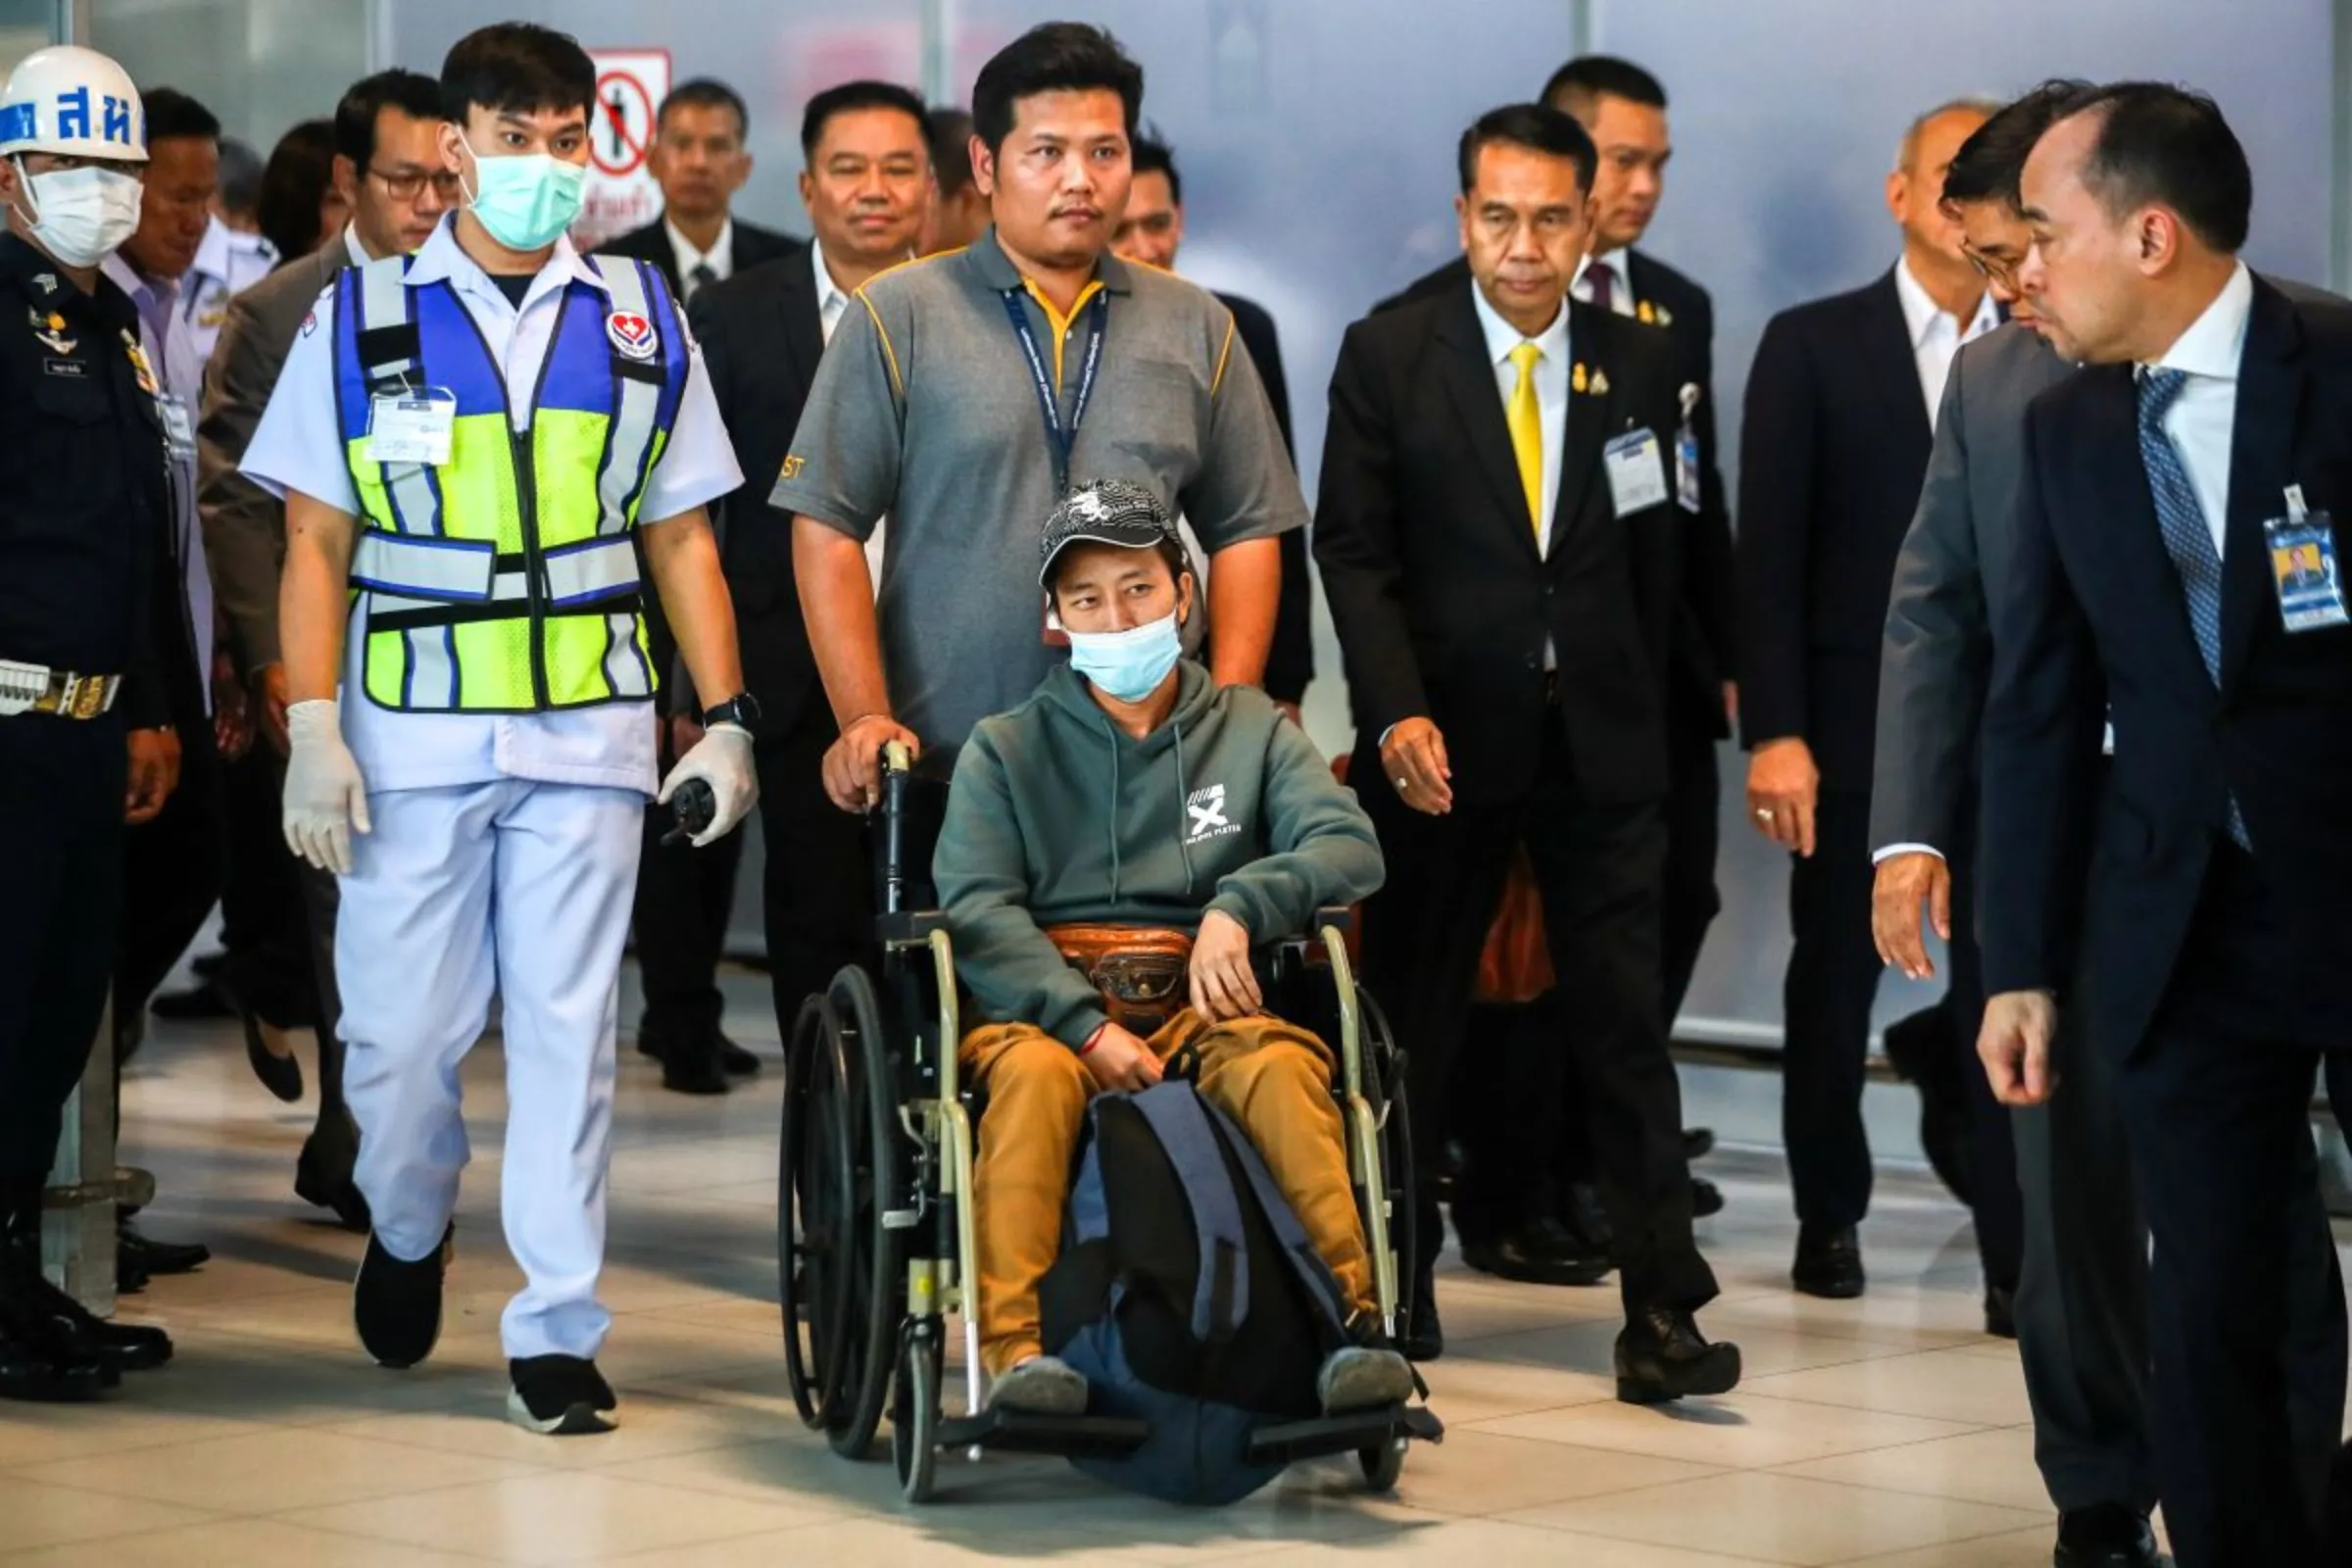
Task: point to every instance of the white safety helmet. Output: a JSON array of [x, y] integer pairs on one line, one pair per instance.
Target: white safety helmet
[[72, 102]]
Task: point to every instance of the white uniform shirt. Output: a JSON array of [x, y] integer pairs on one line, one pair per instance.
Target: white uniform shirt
[[1936, 335], [1621, 280], [299, 446], [180, 374], [228, 263]]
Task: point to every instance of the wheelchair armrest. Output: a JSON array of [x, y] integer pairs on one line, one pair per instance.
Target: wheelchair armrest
[[1307, 946], [910, 926]]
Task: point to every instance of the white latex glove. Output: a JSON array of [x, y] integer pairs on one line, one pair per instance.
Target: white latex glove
[[326, 797], [722, 759]]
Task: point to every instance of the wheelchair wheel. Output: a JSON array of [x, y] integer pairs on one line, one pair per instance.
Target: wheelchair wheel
[[1384, 1065], [876, 1267], [814, 1174], [1383, 1463], [915, 1412]]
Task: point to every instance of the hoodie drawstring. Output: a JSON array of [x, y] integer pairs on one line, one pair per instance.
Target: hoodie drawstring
[[1114, 738]]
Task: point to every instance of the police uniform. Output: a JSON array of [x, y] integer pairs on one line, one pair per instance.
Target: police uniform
[[226, 265], [497, 700], [87, 596]]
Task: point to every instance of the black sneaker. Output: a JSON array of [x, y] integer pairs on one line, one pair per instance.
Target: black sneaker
[[397, 1305], [561, 1397]]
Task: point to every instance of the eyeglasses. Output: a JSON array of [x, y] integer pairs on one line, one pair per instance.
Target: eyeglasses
[[2000, 274], [405, 187]]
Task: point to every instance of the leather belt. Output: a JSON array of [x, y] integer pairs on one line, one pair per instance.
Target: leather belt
[[38, 689]]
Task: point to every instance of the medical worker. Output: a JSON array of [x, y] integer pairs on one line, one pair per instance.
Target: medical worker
[[474, 444]]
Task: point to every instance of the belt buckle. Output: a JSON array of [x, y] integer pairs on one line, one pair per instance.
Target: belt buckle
[[85, 696]]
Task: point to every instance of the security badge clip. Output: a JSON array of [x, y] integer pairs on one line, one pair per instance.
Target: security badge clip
[[411, 428], [2303, 567]]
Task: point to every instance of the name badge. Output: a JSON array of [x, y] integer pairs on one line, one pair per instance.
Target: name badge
[[2303, 568], [411, 428], [1637, 471], [179, 431]]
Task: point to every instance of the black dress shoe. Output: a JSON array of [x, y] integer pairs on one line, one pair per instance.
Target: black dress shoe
[[125, 1346], [694, 1067], [1423, 1338], [1829, 1263], [207, 999], [1697, 1142], [1925, 1054], [1540, 1252], [322, 1176], [396, 1306], [2000, 1311], [734, 1060], [30, 1373], [2113, 1534], [280, 1076], [39, 1359], [1662, 1355], [146, 1257], [1705, 1197]]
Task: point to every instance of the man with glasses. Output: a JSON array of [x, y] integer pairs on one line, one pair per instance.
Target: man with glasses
[[279, 915]]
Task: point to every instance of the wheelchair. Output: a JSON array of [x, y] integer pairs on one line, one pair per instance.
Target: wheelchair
[[876, 1236]]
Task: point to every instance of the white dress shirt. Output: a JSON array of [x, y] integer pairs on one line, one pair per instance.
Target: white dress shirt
[[831, 303], [1551, 392], [719, 258], [2205, 411], [168, 341], [1621, 286], [1936, 335], [299, 446]]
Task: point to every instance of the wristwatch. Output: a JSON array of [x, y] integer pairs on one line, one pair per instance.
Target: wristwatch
[[743, 709]]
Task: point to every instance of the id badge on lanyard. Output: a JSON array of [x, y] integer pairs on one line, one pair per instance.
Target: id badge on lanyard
[[1060, 440], [2303, 567]]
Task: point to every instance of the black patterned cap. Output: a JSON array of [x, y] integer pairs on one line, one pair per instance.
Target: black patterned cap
[[1106, 511]]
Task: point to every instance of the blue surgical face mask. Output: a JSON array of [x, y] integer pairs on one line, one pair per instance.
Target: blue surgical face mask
[[526, 202], [1129, 664]]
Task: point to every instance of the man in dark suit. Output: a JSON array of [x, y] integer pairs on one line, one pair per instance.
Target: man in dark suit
[[1502, 548], [2177, 555], [1623, 107], [1837, 423], [1152, 232], [700, 162], [867, 188]]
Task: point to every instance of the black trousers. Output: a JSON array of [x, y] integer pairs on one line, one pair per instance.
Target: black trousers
[[173, 871], [684, 896], [60, 808], [2216, 1099], [1600, 868], [277, 919], [1995, 1203], [817, 887], [1693, 831]]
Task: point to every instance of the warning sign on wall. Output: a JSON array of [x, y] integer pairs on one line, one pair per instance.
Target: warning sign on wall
[[631, 84]]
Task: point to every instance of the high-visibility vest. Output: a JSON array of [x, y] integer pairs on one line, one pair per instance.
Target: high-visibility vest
[[506, 579]]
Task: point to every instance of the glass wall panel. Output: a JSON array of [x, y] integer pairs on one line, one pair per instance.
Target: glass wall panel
[[259, 65]]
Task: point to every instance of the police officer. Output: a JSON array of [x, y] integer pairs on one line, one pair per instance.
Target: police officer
[[478, 440], [87, 597]]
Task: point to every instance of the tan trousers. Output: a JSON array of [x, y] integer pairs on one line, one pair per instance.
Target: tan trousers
[[1274, 1079]]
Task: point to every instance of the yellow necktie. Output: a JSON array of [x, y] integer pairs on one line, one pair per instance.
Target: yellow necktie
[[1526, 418]]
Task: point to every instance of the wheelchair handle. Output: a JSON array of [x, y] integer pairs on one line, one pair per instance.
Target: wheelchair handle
[[898, 765]]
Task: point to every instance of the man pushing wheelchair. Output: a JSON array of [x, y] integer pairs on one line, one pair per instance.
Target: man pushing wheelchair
[[1127, 806]]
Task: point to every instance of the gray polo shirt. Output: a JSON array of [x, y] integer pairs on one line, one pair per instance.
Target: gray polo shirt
[[924, 407]]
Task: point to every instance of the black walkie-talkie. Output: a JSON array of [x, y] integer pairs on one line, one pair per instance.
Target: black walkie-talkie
[[695, 806]]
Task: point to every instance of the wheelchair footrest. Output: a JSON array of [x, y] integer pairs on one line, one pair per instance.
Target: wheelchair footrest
[[1063, 1435], [1343, 1433]]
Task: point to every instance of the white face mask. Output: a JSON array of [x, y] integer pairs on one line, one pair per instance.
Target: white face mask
[[79, 216]]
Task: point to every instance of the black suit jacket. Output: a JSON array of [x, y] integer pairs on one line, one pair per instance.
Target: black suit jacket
[[762, 340], [1833, 451], [1441, 601], [1706, 637], [754, 245], [2097, 611], [1291, 661]]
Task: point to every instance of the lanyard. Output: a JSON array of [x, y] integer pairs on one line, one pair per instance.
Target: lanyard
[[1063, 440]]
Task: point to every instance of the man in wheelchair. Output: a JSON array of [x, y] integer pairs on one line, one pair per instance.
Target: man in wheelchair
[[1130, 791]]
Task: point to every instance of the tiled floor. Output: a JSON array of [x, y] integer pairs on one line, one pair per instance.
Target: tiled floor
[[1886, 1431]]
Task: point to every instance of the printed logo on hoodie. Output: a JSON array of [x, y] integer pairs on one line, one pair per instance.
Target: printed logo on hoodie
[[1206, 809]]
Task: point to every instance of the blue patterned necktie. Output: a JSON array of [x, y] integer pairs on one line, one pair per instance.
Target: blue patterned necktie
[[2186, 537]]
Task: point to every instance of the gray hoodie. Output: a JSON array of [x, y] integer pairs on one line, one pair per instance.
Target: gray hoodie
[[1058, 815]]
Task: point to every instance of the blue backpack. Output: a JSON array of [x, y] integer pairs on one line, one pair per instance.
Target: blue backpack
[[1188, 1293]]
